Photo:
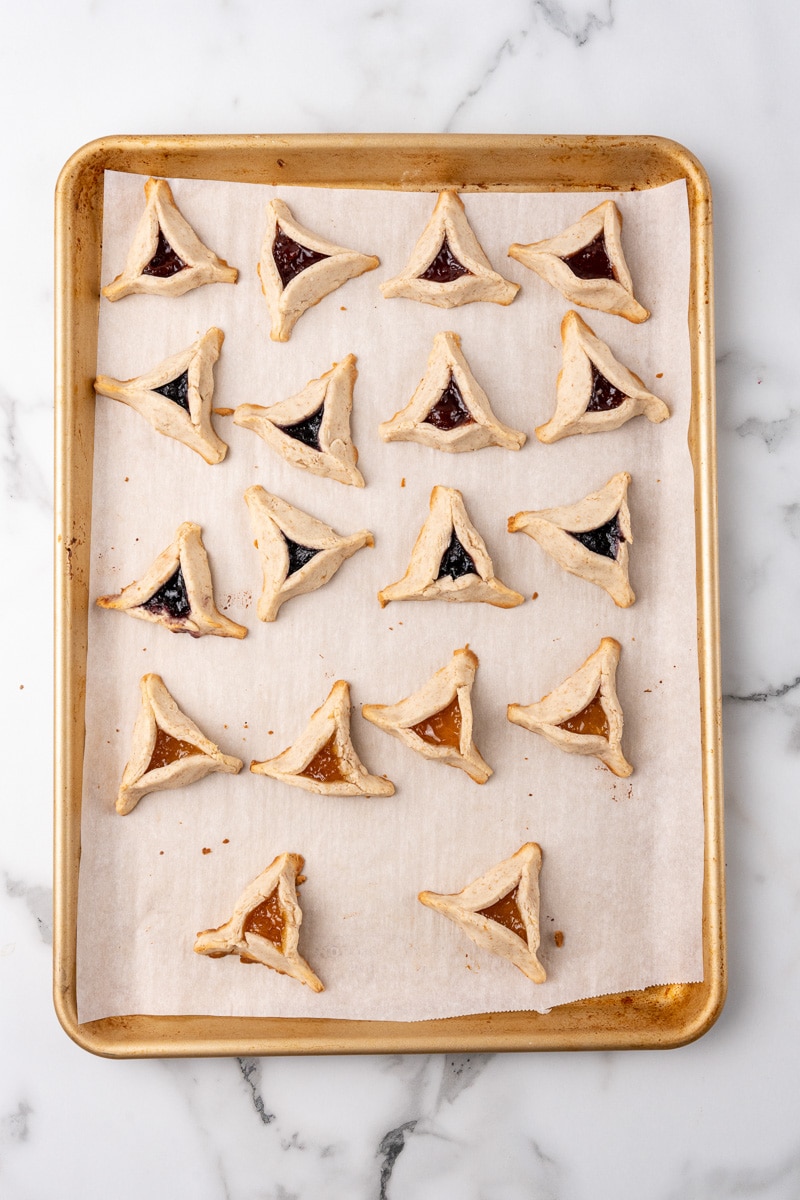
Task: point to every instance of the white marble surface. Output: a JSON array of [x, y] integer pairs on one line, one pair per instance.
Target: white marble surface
[[717, 1119]]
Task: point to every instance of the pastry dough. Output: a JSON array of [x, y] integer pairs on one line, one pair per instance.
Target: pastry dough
[[265, 925], [323, 759], [449, 410], [312, 429], [450, 560], [299, 268], [167, 749], [448, 266], [594, 391], [176, 590], [166, 257], [175, 397], [586, 264], [582, 715], [590, 539], [436, 721], [298, 553], [500, 910]]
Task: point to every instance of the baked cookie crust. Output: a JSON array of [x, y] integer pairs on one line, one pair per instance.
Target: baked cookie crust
[[159, 763], [176, 591], [298, 552], [268, 903], [450, 560], [449, 409], [600, 278], [323, 759], [311, 430], [166, 257], [436, 721], [448, 266], [298, 268], [590, 539], [175, 397], [500, 930], [582, 715], [595, 392]]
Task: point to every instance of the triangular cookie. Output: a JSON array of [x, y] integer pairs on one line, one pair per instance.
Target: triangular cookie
[[500, 910], [299, 268], [323, 759], [450, 560], [265, 925], [166, 257], [586, 264], [448, 266], [583, 714], [298, 553], [436, 721], [176, 590], [449, 410], [312, 429], [167, 749], [175, 397], [594, 391], [589, 539]]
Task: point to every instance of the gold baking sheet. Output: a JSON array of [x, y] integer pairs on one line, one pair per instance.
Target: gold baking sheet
[[656, 1017]]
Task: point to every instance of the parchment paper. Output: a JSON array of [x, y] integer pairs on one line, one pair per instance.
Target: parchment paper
[[623, 859]]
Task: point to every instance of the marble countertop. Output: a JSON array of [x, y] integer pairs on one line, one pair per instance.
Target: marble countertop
[[719, 1118]]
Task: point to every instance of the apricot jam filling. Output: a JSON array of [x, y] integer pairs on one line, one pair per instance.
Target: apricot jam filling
[[590, 720], [169, 750], [267, 920], [442, 728], [505, 911], [326, 766]]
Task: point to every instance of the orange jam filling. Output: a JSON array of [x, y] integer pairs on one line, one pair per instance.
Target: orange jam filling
[[326, 766], [591, 719], [505, 911], [442, 728], [169, 750], [267, 920]]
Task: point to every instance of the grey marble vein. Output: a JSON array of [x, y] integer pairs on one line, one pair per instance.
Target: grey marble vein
[[577, 27], [793, 744], [22, 478], [38, 901], [388, 10], [459, 1073], [772, 693], [772, 433], [15, 1127], [251, 1074], [775, 1182], [792, 518], [548, 1187], [390, 1148], [507, 48]]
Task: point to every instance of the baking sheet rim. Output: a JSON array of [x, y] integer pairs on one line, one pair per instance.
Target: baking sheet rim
[[665, 1015]]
